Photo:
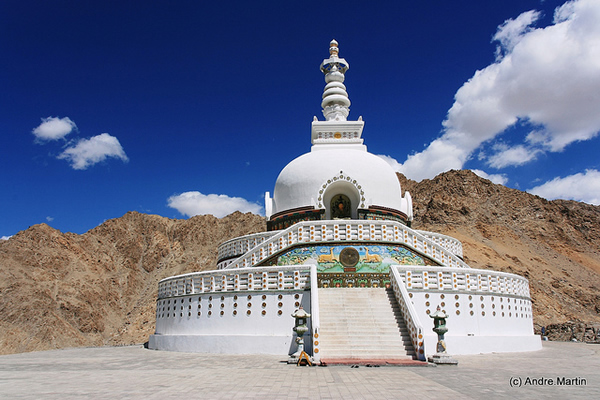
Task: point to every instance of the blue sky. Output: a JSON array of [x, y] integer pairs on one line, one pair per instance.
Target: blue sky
[[187, 107]]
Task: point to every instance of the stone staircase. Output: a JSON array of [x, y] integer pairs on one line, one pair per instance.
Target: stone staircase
[[362, 323]]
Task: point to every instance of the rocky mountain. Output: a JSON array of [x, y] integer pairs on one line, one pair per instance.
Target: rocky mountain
[[63, 290]]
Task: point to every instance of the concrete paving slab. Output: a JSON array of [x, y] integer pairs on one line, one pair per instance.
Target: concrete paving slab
[[560, 370]]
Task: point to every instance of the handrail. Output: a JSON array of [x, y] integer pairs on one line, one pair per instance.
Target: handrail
[[240, 245], [431, 279], [342, 231], [409, 314], [451, 244], [292, 277], [314, 311]]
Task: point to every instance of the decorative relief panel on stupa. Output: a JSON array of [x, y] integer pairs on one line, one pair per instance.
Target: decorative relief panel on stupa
[[333, 258]]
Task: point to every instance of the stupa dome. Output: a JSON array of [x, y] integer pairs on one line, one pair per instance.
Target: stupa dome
[[313, 179]]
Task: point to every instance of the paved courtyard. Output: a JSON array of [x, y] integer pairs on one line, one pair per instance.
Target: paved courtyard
[[138, 373]]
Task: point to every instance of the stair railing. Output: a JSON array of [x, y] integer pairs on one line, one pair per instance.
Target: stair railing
[[314, 311], [447, 242], [409, 314]]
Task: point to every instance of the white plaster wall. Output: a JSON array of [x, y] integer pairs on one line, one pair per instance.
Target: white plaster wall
[[220, 323], [478, 322], [226, 344]]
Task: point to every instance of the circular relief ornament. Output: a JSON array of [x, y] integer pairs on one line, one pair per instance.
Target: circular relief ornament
[[349, 257]]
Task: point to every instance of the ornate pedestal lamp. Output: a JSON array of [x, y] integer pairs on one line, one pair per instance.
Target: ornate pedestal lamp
[[300, 357], [439, 327]]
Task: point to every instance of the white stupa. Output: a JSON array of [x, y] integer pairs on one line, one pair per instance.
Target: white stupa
[[339, 243]]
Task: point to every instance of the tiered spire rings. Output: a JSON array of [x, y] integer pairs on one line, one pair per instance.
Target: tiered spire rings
[[335, 98]]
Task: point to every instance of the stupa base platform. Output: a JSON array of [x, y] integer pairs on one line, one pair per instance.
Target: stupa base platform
[[223, 344], [442, 359]]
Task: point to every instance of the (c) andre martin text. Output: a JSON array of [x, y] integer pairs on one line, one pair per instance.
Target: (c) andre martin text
[[542, 381]]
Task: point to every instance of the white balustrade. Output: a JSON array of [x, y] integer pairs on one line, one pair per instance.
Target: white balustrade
[[447, 242], [427, 243], [295, 277], [240, 245], [462, 280]]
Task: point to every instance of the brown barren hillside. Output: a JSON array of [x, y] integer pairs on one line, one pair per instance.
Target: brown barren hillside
[[64, 290]]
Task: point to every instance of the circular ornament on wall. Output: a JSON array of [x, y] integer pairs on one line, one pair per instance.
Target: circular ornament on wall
[[349, 257]]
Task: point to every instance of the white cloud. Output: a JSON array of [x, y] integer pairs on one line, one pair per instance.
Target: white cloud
[[87, 152], [445, 155], [49, 219], [441, 155], [581, 187], [5, 237], [512, 31], [390, 160], [511, 156], [499, 179], [54, 128], [547, 77], [219, 205]]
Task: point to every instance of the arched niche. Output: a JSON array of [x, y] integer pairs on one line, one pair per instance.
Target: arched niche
[[341, 192]]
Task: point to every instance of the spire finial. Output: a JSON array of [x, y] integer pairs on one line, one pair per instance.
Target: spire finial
[[335, 98], [333, 49]]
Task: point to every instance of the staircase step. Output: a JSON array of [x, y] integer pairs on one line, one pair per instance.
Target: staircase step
[[362, 323]]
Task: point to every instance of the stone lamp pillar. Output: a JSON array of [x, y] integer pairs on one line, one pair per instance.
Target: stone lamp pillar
[[300, 328], [439, 327]]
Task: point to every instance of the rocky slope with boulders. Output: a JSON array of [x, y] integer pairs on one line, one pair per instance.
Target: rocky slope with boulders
[[99, 288]]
